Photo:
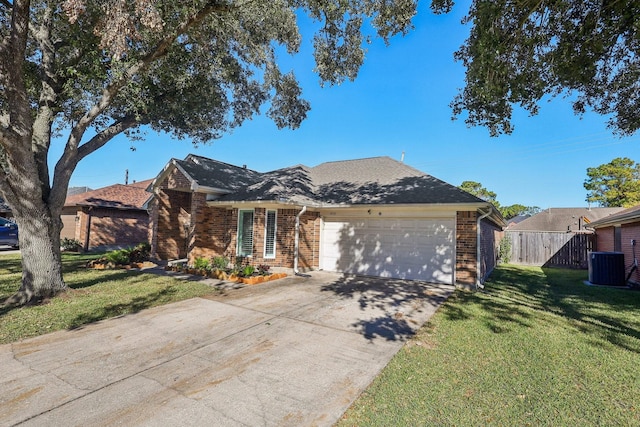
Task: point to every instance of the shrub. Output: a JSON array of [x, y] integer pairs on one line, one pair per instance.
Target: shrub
[[140, 252], [504, 250], [70, 245], [247, 270], [118, 257], [201, 263], [220, 262], [263, 269]]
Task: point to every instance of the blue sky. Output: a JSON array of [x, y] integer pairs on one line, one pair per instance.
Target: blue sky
[[399, 103]]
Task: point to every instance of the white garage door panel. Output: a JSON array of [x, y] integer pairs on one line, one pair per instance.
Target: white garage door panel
[[418, 249]]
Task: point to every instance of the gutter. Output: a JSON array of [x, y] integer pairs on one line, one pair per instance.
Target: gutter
[[297, 241], [478, 248]]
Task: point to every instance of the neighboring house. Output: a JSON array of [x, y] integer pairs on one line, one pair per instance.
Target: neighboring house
[[516, 220], [620, 232], [375, 217], [555, 237], [563, 219], [113, 216], [72, 191]]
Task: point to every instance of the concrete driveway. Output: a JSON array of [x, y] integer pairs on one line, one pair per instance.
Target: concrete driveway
[[297, 351]]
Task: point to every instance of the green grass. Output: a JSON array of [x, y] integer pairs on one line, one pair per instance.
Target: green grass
[[538, 347], [93, 295]]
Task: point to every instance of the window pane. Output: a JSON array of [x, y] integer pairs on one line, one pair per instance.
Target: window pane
[[270, 235], [245, 233]]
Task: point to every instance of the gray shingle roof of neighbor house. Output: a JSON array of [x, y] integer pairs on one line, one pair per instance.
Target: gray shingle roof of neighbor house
[[562, 219], [631, 214], [375, 180]]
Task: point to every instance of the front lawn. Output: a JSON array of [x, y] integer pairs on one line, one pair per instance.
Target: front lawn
[[93, 295], [536, 347]]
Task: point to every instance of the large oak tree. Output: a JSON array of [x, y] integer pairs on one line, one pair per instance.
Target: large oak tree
[[521, 51], [88, 70]]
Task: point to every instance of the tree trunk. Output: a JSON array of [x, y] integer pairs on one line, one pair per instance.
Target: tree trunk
[[39, 233]]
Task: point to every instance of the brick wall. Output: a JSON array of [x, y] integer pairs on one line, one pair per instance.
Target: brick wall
[[98, 227], [171, 223], [466, 250], [212, 233], [605, 239], [215, 234], [173, 212]]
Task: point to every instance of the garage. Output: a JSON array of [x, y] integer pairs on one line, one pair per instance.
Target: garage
[[406, 248]]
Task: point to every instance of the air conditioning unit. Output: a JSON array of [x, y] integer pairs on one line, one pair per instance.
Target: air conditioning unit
[[606, 268]]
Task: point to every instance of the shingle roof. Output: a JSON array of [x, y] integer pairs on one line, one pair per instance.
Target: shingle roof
[[375, 180], [116, 196], [214, 174], [631, 214], [562, 219], [77, 190]]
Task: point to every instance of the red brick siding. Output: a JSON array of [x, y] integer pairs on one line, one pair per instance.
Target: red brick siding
[[173, 211], [118, 227], [98, 227], [466, 250], [604, 239], [215, 234], [212, 233]]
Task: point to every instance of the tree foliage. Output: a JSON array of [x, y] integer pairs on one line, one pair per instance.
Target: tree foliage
[[507, 212], [614, 184], [88, 70], [512, 211], [479, 191], [520, 51]]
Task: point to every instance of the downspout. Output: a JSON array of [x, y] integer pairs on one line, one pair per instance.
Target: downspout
[[297, 241], [478, 249]]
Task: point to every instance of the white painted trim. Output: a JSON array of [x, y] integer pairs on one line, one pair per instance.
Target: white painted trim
[[275, 234]]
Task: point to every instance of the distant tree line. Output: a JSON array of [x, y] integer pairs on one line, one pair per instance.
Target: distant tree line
[[613, 184]]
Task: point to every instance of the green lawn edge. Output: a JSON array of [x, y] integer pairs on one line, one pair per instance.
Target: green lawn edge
[[93, 295], [536, 347]]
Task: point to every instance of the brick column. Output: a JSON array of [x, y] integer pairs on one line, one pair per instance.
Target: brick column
[[466, 249]]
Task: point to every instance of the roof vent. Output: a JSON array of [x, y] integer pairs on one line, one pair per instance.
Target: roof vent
[[244, 166]]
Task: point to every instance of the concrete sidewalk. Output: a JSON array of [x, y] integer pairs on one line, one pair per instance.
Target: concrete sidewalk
[[296, 351]]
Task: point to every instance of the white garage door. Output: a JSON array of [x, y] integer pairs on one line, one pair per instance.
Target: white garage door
[[416, 249]]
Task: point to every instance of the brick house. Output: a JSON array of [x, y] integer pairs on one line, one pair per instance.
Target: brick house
[[620, 232], [109, 217], [375, 216]]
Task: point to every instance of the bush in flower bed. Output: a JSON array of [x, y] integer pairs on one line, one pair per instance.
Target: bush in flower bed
[[220, 268], [119, 258]]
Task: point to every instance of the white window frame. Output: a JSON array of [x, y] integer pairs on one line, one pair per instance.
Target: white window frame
[[266, 233], [240, 238]]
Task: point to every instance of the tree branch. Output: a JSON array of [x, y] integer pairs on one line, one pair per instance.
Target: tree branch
[[110, 92], [70, 158]]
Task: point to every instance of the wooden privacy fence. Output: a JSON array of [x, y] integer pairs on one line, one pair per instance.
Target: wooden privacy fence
[[550, 248]]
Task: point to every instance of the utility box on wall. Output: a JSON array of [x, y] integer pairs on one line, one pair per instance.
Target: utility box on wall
[[606, 268]]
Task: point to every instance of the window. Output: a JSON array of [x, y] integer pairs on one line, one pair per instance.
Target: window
[[270, 235], [617, 238], [245, 233]]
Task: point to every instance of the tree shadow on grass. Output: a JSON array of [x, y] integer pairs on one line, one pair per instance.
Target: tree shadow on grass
[[515, 296], [113, 310], [395, 298]]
